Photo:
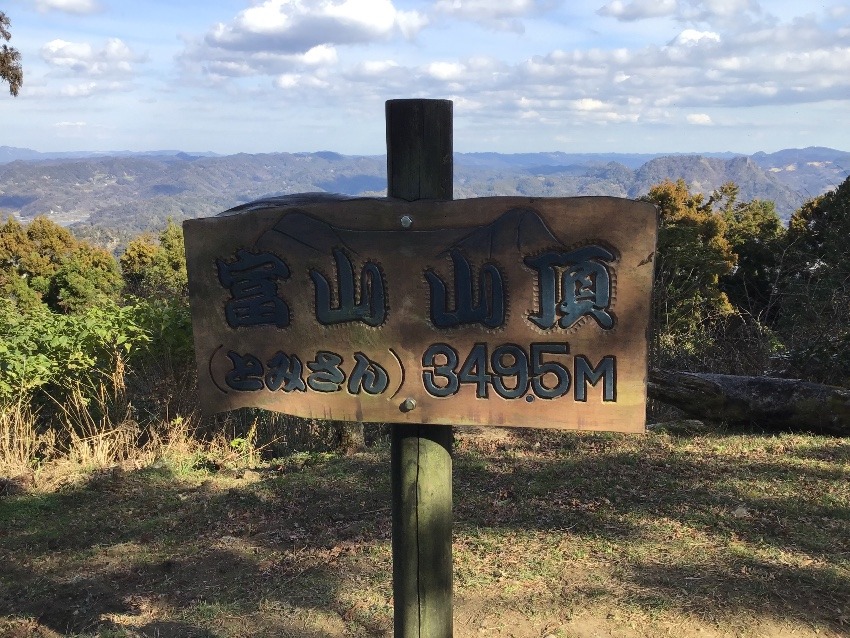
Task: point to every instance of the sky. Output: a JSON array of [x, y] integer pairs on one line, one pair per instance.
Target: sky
[[229, 76]]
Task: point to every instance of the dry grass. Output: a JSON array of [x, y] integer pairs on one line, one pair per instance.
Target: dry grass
[[135, 417], [19, 440], [96, 426], [89, 426]]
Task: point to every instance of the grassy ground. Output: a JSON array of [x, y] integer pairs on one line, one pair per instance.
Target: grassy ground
[[556, 534]]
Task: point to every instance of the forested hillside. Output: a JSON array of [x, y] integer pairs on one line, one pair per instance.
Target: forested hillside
[[129, 193], [114, 197]]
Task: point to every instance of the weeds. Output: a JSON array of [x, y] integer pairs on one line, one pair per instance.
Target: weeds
[[97, 424], [94, 423], [19, 440]]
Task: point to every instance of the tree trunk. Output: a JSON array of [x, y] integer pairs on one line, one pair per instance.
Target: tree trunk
[[767, 402], [350, 436]]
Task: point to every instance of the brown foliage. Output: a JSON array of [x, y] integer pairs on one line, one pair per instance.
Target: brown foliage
[[10, 59]]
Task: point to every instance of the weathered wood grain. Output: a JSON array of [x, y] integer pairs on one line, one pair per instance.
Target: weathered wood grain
[[419, 140]]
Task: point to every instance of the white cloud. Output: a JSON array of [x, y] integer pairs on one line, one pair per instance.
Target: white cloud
[[300, 81], [70, 125], [293, 26], [271, 63], [706, 67], [378, 77], [80, 7], [639, 9], [692, 37], [80, 58], [700, 119], [229, 68], [410, 23], [465, 105], [72, 55], [588, 104], [502, 14], [730, 63], [714, 10], [583, 76], [377, 67], [688, 11], [320, 55], [287, 81], [84, 89], [287, 38], [445, 70]]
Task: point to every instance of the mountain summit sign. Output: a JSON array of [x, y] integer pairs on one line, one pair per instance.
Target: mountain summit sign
[[493, 311]]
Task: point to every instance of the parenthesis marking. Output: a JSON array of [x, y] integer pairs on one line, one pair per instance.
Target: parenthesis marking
[[209, 366], [401, 367]]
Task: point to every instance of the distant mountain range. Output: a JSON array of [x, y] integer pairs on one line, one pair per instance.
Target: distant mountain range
[[12, 153], [111, 195]]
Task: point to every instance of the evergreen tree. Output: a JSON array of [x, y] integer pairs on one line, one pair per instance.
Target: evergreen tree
[[757, 238], [692, 254], [815, 317]]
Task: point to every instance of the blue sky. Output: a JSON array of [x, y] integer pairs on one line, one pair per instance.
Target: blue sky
[[525, 75]]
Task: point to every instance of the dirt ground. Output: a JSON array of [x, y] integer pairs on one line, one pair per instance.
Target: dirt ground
[[555, 535]]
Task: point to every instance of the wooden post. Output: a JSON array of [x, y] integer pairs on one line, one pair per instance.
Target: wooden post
[[419, 166]]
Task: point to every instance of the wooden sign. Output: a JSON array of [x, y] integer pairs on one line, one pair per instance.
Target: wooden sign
[[493, 311]]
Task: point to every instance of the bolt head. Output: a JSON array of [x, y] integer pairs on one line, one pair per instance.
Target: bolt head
[[406, 221]]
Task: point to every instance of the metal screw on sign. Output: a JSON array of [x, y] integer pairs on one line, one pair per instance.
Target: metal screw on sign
[[406, 221], [408, 405]]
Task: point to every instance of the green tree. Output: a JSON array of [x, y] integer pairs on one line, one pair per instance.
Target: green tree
[[154, 269], [692, 254], [815, 315], [10, 59], [819, 229], [43, 263], [757, 238], [156, 266], [724, 199], [14, 284], [136, 264], [47, 245], [88, 275]]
